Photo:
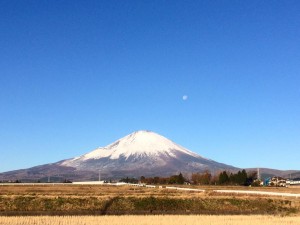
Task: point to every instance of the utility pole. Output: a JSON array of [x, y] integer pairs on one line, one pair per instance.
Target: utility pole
[[258, 174], [99, 175]]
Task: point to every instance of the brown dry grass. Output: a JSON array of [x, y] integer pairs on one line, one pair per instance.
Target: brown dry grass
[[91, 190], [103, 191], [68, 199], [293, 189], [149, 220]]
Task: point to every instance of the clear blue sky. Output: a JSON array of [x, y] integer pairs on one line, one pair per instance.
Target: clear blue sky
[[76, 75]]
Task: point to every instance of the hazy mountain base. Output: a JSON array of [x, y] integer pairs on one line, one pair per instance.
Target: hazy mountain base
[[42, 205]]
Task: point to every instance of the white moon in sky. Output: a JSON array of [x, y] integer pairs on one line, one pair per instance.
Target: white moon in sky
[[184, 98]]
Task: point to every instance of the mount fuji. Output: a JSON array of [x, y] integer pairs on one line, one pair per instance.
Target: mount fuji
[[142, 153]]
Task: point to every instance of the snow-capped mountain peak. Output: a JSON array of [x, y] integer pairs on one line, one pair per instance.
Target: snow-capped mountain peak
[[142, 153], [138, 144]]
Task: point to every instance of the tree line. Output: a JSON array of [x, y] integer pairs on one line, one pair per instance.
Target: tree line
[[200, 178], [175, 179], [224, 178], [239, 178]]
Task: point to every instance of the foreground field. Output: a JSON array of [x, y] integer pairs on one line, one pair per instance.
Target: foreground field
[[128, 200], [105, 190], [149, 220]]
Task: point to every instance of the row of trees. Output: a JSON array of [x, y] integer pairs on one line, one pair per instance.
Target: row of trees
[[224, 178], [239, 178], [10, 181], [204, 178], [175, 179], [129, 180]]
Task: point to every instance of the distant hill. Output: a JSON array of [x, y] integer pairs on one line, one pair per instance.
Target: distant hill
[[266, 172]]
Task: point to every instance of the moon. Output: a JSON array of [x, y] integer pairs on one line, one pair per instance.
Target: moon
[[184, 98]]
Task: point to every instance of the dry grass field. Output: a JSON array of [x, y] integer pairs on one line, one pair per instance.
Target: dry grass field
[[293, 189], [103, 190], [149, 220], [129, 200]]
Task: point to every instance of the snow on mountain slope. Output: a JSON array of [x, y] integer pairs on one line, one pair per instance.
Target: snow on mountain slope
[[138, 144], [142, 153]]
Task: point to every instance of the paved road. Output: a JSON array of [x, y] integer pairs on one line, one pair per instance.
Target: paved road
[[258, 193]]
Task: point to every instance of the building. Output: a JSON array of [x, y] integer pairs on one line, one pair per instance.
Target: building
[[275, 181], [292, 182]]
